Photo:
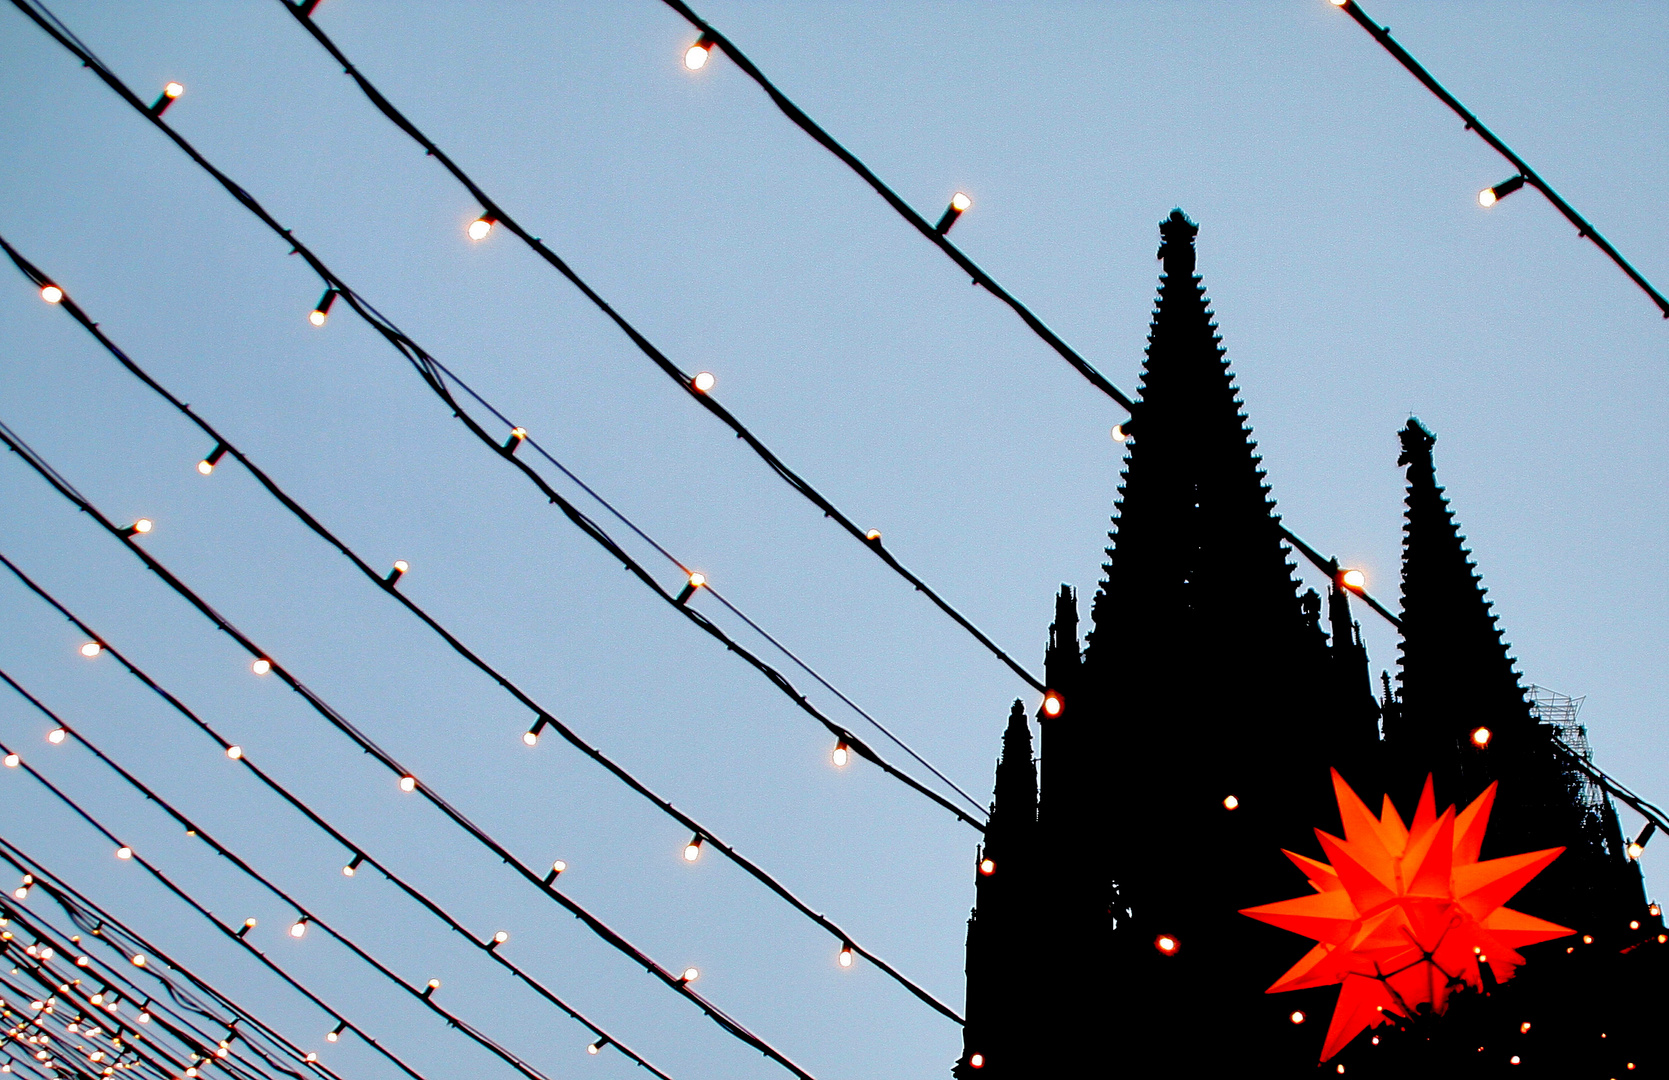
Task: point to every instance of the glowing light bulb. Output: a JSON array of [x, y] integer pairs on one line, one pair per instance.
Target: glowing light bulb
[[698, 579], [695, 57], [593, 1048], [842, 755], [332, 1036], [1481, 736], [557, 867], [1297, 1017], [987, 867], [1634, 924], [976, 1061], [703, 381], [1167, 944], [299, 927], [1230, 802], [142, 526], [173, 90], [205, 467], [52, 294], [691, 975], [249, 924], [1119, 434], [124, 852], [408, 783], [234, 752], [1587, 939], [1354, 579], [1486, 197], [846, 955], [56, 736], [961, 202], [434, 984], [91, 649], [138, 961], [873, 536], [1635, 849], [1338, 3], [1052, 704], [12, 762], [317, 317], [692, 850], [481, 227], [261, 666], [1654, 911], [501, 937]]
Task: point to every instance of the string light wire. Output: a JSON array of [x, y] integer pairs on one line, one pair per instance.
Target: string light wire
[[382, 757], [436, 376], [359, 852], [980, 277], [309, 917], [222, 447], [35, 962], [99, 923], [1526, 174], [691, 385]]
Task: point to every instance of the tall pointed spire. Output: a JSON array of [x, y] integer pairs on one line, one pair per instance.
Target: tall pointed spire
[[1464, 715], [1209, 680], [1002, 949]]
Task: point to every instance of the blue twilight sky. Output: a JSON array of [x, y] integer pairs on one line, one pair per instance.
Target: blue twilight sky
[[1354, 275]]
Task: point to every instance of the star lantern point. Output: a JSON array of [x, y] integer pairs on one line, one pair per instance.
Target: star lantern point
[[1403, 914]]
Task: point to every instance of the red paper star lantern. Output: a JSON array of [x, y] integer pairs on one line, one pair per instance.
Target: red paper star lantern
[[1405, 913]]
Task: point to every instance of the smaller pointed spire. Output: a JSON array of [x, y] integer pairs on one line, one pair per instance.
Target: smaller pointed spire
[[1176, 244], [1014, 797]]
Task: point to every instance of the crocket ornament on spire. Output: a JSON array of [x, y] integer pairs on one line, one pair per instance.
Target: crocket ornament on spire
[[1404, 915]]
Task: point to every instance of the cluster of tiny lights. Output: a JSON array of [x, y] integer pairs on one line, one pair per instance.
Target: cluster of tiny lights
[[1354, 579], [52, 294], [261, 666], [703, 381], [1481, 736], [91, 649]]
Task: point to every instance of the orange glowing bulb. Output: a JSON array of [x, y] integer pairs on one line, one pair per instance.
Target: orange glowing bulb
[[1052, 704], [408, 783], [1481, 736], [703, 381], [1354, 579], [480, 228], [52, 294], [91, 649], [1167, 944], [987, 867], [261, 666], [960, 202], [842, 755], [695, 57]]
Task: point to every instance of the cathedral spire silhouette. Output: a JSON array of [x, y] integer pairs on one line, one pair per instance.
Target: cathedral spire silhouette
[[1465, 716]]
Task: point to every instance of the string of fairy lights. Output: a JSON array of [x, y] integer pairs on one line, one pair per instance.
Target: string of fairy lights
[[544, 717], [439, 378], [306, 918], [63, 732], [264, 664]]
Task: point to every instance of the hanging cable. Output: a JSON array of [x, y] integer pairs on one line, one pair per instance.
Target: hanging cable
[[805, 123], [436, 375], [546, 719], [308, 918], [693, 386], [408, 782], [359, 852], [1526, 175], [101, 925], [222, 447]]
